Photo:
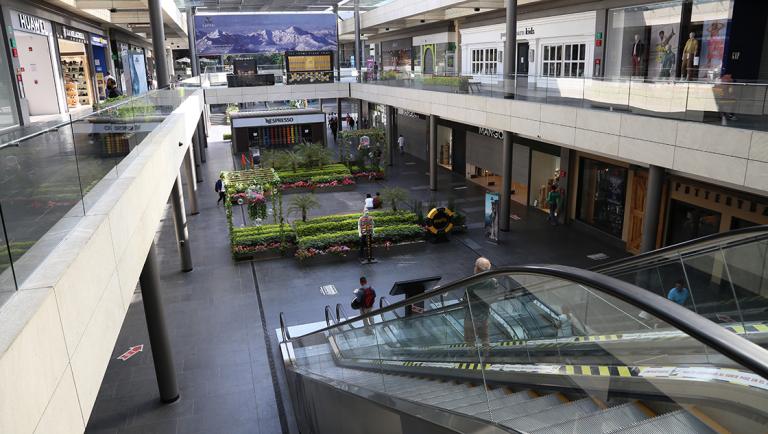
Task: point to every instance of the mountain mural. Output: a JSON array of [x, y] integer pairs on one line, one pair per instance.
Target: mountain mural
[[264, 33]]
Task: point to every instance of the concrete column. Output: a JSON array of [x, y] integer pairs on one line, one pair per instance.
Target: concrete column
[[158, 42], [391, 134], [358, 60], [339, 123], [506, 181], [149, 279], [198, 164], [432, 154], [180, 222], [191, 40], [202, 140], [510, 49], [189, 173], [652, 208], [337, 57]]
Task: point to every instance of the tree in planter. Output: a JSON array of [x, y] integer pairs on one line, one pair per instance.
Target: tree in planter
[[393, 195], [302, 204], [313, 154], [293, 159]]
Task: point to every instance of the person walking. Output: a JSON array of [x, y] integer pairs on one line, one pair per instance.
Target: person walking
[[220, 188], [365, 298], [369, 204], [553, 198], [350, 122], [401, 144], [478, 309], [334, 124]]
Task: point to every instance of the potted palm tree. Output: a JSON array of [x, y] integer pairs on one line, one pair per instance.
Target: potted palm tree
[[302, 204]]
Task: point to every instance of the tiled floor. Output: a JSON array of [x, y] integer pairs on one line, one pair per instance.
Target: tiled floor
[[213, 313]]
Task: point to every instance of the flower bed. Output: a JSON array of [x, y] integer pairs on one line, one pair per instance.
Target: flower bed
[[240, 181], [337, 234], [366, 173], [335, 171], [259, 241]]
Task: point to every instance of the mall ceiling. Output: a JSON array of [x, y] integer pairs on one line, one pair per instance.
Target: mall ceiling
[[207, 6]]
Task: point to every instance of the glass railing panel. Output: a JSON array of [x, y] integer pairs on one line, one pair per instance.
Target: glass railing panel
[[7, 278], [39, 188], [709, 290], [747, 271]]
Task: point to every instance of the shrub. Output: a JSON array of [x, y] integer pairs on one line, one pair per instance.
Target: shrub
[[227, 136], [394, 195]]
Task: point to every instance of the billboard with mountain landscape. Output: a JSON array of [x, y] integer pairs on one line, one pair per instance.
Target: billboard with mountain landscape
[[264, 33]]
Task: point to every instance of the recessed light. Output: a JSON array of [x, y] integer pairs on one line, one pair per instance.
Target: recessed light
[[387, 28], [423, 21], [477, 9]]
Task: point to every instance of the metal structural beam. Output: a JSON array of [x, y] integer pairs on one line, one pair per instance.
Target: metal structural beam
[[358, 60], [191, 41], [506, 181], [162, 355], [432, 152], [180, 222], [510, 49], [652, 208], [158, 43], [189, 173]]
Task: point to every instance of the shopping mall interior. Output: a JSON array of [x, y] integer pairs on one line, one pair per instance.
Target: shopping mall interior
[[384, 216]]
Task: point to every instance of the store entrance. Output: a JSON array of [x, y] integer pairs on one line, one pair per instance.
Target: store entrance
[[522, 58], [687, 222], [76, 73], [37, 74]]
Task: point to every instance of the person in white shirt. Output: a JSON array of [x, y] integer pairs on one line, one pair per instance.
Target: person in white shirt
[[368, 202], [401, 143]]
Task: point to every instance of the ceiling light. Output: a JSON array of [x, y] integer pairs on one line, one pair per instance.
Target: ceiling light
[[423, 21], [387, 29], [477, 9]]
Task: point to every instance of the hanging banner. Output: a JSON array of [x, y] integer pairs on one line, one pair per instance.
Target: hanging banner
[[492, 216]]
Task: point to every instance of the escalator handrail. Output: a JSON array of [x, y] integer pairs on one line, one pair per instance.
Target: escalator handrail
[[731, 345], [383, 302], [284, 328], [329, 319], [742, 233]]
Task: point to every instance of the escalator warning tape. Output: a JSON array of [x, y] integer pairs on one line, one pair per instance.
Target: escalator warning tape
[[760, 327], [569, 370]]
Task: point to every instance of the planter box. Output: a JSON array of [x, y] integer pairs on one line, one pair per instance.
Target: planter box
[[366, 180], [336, 189], [379, 251], [268, 255]]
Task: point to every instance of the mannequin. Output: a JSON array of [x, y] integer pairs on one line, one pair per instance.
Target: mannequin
[[638, 50], [689, 53], [665, 58]]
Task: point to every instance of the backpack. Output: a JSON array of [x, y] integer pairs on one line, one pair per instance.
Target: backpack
[[217, 187], [369, 298]]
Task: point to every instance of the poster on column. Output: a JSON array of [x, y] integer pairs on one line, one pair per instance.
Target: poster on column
[[492, 216], [219, 34]]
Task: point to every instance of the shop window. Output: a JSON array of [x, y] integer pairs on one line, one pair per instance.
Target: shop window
[[602, 195], [687, 222], [564, 60], [485, 61]]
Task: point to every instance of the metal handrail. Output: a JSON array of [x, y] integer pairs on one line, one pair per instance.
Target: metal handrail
[[284, 329], [383, 302], [329, 320], [743, 233], [340, 313], [740, 350]]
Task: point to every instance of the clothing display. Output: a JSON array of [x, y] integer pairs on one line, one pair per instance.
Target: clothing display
[[76, 78], [689, 54], [638, 51]]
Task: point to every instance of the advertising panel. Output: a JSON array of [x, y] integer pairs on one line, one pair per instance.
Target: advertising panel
[[492, 216], [264, 33], [309, 66]]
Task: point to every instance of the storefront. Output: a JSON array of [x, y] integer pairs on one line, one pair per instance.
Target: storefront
[[182, 64], [39, 77], [414, 127], [396, 56], [435, 54], [75, 66], [483, 164], [378, 115], [99, 47], [602, 195], [557, 46], [276, 129], [691, 40]]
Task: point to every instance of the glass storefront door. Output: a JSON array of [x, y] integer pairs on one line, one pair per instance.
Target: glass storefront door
[[602, 195], [687, 222]]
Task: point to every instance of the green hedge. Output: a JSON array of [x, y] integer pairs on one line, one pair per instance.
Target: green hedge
[[355, 216], [446, 81], [339, 171], [350, 224], [395, 234]]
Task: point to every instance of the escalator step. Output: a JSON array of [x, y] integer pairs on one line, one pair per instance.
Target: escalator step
[[600, 422], [678, 422], [527, 407], [554, 415], [494, 404], [453, 395]]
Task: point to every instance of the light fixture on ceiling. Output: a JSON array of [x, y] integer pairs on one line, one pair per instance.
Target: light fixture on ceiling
[[423, 21], [113, 9], [386, 28], [477, 9]]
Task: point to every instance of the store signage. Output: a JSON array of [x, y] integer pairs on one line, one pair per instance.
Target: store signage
[[278, 120], [305, 67], [63, 32], [32, 24], [102, 128], [526, 31], [488, 132], [410, 114], [99, 41]]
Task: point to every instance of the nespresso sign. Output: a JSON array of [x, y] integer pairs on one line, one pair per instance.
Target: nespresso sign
[[278, 120], [32, 24]]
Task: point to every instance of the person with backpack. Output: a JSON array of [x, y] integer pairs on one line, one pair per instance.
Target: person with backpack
[[219, 188], [365, 298], [553, 198]]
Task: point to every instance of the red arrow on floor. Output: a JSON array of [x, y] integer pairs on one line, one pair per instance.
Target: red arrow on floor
[[131, 352]]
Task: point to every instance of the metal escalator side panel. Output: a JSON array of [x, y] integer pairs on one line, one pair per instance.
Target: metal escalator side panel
[[606, 420], [678, 422]]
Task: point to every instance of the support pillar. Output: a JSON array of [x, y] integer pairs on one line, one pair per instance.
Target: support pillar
[[202, 140], [337, 57], [149, 279], [189, 173], [339, 122], [506, 181], [196, 154], [180, 222], [652, 208], [358, 60], [191, 41], [158, 43], [392, 134], [432, 154], [510, 49]]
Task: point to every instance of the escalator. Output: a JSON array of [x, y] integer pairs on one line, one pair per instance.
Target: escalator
[[616, 359]]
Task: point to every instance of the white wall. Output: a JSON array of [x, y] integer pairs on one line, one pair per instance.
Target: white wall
[[59, 328]]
